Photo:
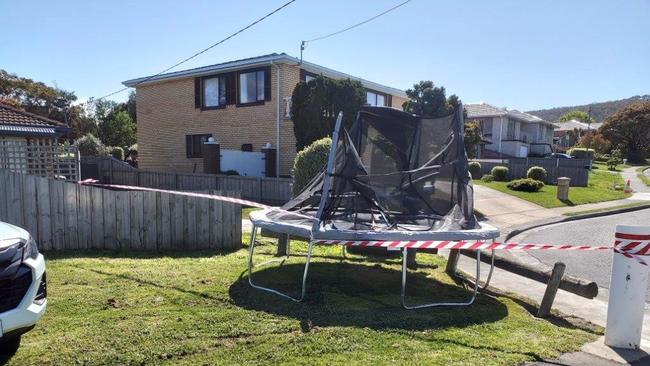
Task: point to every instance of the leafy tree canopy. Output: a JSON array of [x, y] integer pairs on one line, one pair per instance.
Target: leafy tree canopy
[[425, 99], [629, 129], [51, 102], [472, 138], [581, 116], [316, 104]]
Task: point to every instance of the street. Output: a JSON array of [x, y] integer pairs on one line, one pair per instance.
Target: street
[[595, 266]]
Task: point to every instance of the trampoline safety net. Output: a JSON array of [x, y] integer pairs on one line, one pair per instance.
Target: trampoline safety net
[[392, 171]]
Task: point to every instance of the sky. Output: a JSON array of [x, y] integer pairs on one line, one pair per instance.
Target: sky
[[510, 53]]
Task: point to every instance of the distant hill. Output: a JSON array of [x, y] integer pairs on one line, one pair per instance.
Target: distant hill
[[599, 111]]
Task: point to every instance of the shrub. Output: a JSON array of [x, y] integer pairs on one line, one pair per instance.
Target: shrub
[[487, 178], [613, 162], [525, 185], [581, 153], [475, 169], [601, 157], [309, 162], [537, 173], [117, 152], [500, 173], [90, 145]]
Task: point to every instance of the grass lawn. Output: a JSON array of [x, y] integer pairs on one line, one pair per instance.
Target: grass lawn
[[603, 166], [127, 309], [599, 190], [245, 211]]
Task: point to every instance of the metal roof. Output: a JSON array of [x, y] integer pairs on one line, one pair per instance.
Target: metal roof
[[260, 61]]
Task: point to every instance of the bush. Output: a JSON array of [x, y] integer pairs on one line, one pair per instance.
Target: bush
[[601, 157], [537, 173], [90, 145], [117, 152], [475, 169], [487, 178], [500, 173], [309, 162], [525, 185], [613, 162], [581, 153]]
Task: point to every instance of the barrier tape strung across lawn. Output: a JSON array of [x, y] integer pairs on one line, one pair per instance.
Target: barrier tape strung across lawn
[[629, 245], [239, 201]]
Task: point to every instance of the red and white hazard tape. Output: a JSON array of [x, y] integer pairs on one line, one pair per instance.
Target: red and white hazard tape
[[631, 248], [629, 245]]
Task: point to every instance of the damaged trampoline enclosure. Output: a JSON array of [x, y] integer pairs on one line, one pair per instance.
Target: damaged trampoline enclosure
[[392, 176]]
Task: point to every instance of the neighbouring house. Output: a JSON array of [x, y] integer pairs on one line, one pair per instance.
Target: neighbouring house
[[20, 127], [567, 134], [243, 105], [510, 133]]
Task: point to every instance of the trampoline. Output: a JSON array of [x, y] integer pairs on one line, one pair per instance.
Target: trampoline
[[391, 176]]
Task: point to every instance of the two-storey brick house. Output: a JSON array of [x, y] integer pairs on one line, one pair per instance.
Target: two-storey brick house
[[237, 103]]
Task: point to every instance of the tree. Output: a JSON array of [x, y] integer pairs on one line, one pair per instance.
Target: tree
[[426, 99], [596, 141], [51, 102], [472, 138], [316, 104], [581, 116], [118, 129], [629, 129]]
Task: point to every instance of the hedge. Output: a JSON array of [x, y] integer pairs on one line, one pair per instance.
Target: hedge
[[500, 173], [475, 169], [537, 173], [309, 162], [525, 185], [581, 153]]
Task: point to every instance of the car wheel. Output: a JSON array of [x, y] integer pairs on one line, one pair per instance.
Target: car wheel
[[9, 347]]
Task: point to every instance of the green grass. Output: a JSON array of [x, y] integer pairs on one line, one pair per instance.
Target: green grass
[[599, 190], [245, 211], [131, 308], [641, 174], [641, 205], [603, 166]]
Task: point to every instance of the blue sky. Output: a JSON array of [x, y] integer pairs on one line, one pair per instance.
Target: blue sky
[[519, 54]]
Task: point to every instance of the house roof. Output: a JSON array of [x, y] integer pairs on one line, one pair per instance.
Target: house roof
[[260, 61], [575, 124], [478, 110], [16, 122]]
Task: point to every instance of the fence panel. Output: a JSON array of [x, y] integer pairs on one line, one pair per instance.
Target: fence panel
[[64, 215], [555, 168]]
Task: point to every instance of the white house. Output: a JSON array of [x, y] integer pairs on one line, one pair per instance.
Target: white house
[[567, 133], [510, 133]]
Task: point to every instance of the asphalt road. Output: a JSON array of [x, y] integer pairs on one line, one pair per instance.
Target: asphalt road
[[595, 266]]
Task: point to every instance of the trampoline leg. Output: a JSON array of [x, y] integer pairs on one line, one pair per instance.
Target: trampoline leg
[[489, 277], [303, 291], [436, 304]]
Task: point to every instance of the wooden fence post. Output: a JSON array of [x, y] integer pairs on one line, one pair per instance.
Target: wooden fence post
[[452, 261], [283, 245], [551, 290]]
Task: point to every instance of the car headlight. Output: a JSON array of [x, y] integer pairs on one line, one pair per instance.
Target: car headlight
[[30, 250]]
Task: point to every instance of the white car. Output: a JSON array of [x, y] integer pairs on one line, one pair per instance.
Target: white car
[[23, 286]]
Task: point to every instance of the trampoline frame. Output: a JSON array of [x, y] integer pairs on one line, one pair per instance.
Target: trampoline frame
[[314, 234]]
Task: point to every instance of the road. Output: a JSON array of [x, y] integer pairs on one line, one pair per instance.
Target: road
[[595, 266]]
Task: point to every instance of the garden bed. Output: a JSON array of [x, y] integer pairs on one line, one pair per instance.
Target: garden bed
[[598, 190], [198, 309]]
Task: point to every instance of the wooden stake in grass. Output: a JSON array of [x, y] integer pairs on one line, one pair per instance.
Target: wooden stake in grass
[[551, 290]]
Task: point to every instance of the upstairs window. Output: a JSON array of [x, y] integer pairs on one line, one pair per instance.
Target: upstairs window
[[309, 78], [194, 144], [252, 87], [375, 99], [214, 92], [486, 127]]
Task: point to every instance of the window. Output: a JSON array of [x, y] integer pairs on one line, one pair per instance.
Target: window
[[510, 135], [193, 144], [309, 78], [486, 127], [375, 99], [251, 87], [214, 92]]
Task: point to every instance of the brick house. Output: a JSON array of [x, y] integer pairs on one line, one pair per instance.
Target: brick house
[[237, 103], [510, 133]]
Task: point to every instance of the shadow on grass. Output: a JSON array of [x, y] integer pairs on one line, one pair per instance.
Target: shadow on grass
[[347, 294]]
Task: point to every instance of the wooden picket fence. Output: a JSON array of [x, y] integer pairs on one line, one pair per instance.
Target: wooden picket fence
[[272, 191], [63, 215]]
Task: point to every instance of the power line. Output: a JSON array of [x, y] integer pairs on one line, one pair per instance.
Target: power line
[[204, 50], [358, 24]]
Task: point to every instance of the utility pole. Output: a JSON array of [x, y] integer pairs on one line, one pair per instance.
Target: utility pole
[[591, 136]]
